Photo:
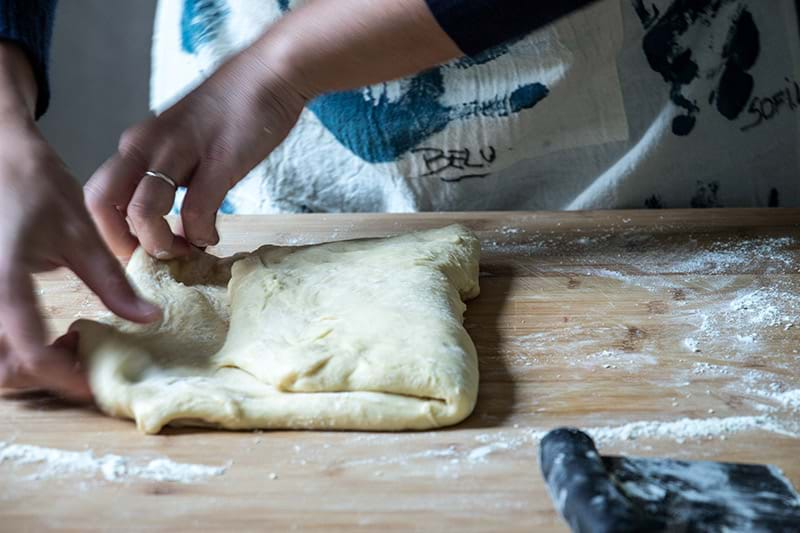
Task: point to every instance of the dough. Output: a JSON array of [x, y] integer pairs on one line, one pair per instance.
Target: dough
[[362, 334]]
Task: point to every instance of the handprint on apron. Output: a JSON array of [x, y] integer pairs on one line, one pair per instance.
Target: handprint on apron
[[720, 61]]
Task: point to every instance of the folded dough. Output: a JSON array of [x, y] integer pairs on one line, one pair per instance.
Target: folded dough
[[363, 334]]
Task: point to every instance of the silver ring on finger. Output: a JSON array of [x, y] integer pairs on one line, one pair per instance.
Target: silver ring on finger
[[163, 177]]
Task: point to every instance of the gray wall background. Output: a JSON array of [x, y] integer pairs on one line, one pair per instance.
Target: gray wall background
[[99, 75]]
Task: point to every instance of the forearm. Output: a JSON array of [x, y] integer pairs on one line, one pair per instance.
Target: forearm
[[333, 45], [330, 45], [18, 88]]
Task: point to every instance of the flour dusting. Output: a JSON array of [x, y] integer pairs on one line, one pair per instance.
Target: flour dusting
[[688, 429], [495, 443], [752, 311], [56, 463]]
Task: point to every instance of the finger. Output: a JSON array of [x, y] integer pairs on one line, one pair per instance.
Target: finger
[[68, 342], [67, 347], [154, 197], [27, 357], [68, 382], [12, 374], [108, 193], [103, 274], [203, 198], [153, 200], [57, 370], [19, 316]]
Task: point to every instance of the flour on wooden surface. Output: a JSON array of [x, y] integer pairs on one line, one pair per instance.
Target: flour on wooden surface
[[450, 459], [680, 431], [788, 400], [689, 429], [57, 463], [752, 312]]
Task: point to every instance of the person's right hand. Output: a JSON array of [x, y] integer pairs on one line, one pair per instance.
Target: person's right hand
[[45, 226]]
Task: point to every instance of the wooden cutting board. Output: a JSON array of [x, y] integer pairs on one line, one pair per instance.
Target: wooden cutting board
[[666, 333]]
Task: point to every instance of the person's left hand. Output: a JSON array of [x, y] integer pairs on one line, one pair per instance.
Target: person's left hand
[[207, 142]]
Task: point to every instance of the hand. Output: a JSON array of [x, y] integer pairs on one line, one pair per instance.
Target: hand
[[215, 135], [207, 142], [45, 226]]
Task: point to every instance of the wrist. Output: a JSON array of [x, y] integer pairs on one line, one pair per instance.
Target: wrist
[[20, 138], [17, 121], [18, 88], [284, 58], [272, 68]]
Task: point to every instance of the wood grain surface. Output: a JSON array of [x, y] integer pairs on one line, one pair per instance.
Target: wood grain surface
[[666, 333]]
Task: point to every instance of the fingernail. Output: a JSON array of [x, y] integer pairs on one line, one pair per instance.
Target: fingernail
[[70, 336], [201, 243], [149, 310], [68, 341], [162, 254]]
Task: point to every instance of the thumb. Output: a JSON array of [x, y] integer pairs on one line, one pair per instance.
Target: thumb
[[103, 274], [204, 196]]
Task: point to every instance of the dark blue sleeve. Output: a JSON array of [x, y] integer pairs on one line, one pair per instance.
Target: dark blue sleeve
[[476, 25], [29, 24]]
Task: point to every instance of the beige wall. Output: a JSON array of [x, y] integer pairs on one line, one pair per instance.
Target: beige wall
[[99, 72]]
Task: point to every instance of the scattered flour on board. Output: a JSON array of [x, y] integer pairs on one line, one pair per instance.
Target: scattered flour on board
[[479, 454], [788, 400], [709, 368], [688, 429], [751, 313], [691, 344], [678, 431], [753, 309], [725, 256], [652, 256], [508, 230], [489, 443], [54, 463]]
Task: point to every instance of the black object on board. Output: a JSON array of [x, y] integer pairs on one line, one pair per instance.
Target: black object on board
[[607, 493]]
